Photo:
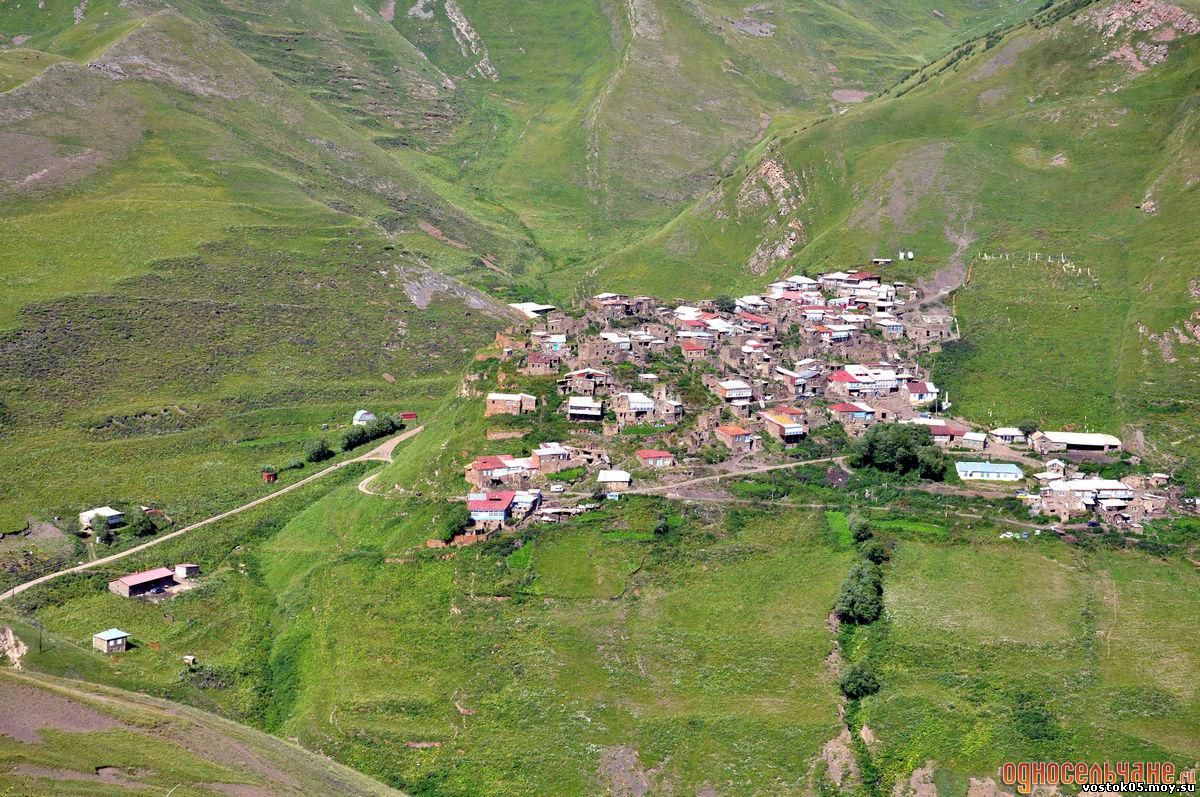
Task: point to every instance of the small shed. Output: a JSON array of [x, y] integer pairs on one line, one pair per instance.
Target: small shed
[[363, 417], [185, 571], [114, 640], [105, 514], [614, 479]]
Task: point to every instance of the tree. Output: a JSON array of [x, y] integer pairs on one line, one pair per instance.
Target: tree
[[900, 448], [859, 681], [860, 528], [725, 303], [318, 451], [106, 535], [876, 552], [454, 521], [138, 523], [1028, 426], [861, 598]]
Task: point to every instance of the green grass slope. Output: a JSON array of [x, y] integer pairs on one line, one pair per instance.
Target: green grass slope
[[85, 739], [1046, 143], [204, 270]]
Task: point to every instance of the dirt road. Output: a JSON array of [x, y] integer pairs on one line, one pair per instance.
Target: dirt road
[[381, 453], [658, 488]]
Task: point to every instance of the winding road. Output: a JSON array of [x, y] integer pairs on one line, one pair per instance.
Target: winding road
[[381, 453]]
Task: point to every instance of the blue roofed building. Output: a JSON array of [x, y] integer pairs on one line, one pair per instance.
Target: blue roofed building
[[989, 471]]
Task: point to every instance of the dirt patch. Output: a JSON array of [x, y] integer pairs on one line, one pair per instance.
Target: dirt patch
[[11, 647], [419, 11], [753, 27], [989, 97], [110, 776], [920, 783], [840, 763], [622, 773], [388, 11], [1059, 159], [850, 95], [28, 710], [1007, 56], [906, 184], [436, 233], [421, 285], [238, 789], [20, 39]]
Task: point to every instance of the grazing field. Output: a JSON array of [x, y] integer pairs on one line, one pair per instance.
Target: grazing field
[[997, 652], [61, 737]]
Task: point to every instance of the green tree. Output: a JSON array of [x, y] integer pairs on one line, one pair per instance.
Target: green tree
[[138, 522], [900, 448], [859, 680], [860, 528], [1027, 426], [318, 451], [876, 552], [725, 303], [860, 600], [454, 521]]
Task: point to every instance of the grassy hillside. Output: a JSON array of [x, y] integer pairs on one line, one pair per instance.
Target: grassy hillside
[[85, 739], [1010, 151], [600, 652]]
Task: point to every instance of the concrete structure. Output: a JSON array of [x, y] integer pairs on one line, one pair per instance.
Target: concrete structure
[[509, 404], [989, 471], [785, 424], [1049, 442], [584, 408], [614, 479], [110, 517], [735, 437], [1009, 434], [114, 640], [653, 458]]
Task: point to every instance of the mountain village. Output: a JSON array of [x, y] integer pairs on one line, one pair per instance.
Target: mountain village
[[656, 396]]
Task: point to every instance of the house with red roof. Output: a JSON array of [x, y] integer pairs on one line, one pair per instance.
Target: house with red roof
[[921, 392], [653, 458], [853, 412], [493, 507], [693, 350], [735, 437]]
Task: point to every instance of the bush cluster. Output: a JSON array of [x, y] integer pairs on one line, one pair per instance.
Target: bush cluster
[[356, 436], [900, 448]]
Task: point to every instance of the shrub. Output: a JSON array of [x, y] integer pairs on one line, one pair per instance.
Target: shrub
[[139, 523], [725, 303], [876, 552], [861, 598], [900, 448], [860, 528], [859, 681], [455, 520], [318, 451]]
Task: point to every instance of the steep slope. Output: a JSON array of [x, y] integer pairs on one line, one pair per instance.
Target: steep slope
[[61, 737], [1071, 137], [188, 240]]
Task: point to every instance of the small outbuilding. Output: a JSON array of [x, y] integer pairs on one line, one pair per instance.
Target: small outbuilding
[[105, 515], [363, 417], [614, 479], [114, 640], [186, 571]]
